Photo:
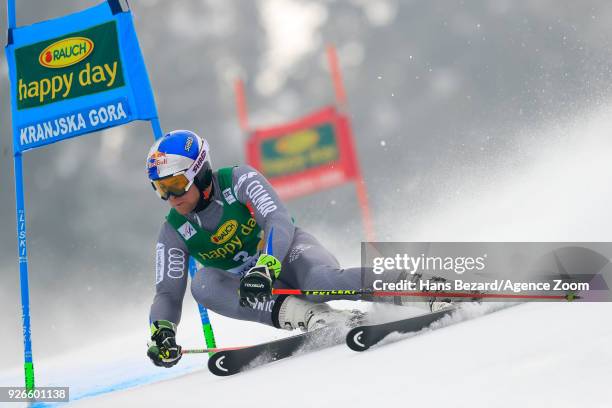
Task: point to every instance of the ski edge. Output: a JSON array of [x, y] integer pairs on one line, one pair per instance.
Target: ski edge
[[356, 338]]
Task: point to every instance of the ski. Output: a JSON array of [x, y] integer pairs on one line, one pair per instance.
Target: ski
[[229, 362], [363, 337]]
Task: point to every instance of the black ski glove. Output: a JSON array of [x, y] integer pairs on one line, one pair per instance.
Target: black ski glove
[[163, 350], [257, 283]]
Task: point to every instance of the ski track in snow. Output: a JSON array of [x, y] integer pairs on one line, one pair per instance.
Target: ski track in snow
[[466, 312], [532, 355]]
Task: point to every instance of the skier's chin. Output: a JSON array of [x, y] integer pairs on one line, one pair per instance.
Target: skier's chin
[[183, 208]]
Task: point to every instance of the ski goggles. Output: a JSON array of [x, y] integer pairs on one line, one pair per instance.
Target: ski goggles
[[178, 183], [174, 185]]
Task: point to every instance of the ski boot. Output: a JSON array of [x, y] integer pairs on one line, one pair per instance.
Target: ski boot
[[295, 313]]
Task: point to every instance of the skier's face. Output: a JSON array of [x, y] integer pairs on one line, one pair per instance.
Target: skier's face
[[187, 202]]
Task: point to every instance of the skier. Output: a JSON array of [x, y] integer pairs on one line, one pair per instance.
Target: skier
[[234, 224]]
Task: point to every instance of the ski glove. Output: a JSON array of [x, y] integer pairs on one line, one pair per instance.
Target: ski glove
[[163, 350], [257, 283]]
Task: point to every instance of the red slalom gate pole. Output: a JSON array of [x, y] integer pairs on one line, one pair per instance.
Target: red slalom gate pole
[[334, 67], [241, 105], [341, 101], [362, 198]]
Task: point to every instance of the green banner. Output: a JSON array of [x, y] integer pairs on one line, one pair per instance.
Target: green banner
[[299, 151], [73, 65]]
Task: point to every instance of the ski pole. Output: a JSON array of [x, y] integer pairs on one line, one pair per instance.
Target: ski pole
[[569, 296], [209, 350], [321, 292]]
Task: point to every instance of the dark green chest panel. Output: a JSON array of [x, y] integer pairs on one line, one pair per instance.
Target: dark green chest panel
[[237, 236]]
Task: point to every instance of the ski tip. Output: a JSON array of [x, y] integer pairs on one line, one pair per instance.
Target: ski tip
[[216, 365], [356, 339]]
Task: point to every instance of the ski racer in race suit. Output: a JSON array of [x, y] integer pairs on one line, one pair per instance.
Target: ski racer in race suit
[[234, 224]]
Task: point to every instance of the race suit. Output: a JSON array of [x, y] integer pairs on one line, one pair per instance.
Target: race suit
[[306, 264]]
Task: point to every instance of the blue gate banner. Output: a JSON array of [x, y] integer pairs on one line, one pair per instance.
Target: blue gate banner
[[76, 74]]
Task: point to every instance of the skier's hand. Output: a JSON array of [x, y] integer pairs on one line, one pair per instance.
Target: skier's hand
[[163, 350], [257, 283]]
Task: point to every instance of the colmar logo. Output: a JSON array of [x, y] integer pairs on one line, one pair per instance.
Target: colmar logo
[[243, 178], [66, 52], [225, 232], [260, 198]]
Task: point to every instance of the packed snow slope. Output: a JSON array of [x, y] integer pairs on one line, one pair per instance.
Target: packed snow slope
[[530, 355], [533, 355]]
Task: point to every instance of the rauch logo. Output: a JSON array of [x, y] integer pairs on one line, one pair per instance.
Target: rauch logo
[[225, 232], [298, 142], [66, 52]]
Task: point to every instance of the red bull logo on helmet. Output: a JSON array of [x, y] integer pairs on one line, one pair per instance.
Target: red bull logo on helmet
[[154, 160], [157, 159]]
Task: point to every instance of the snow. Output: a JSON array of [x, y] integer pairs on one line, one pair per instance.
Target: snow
[[531, 355]]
